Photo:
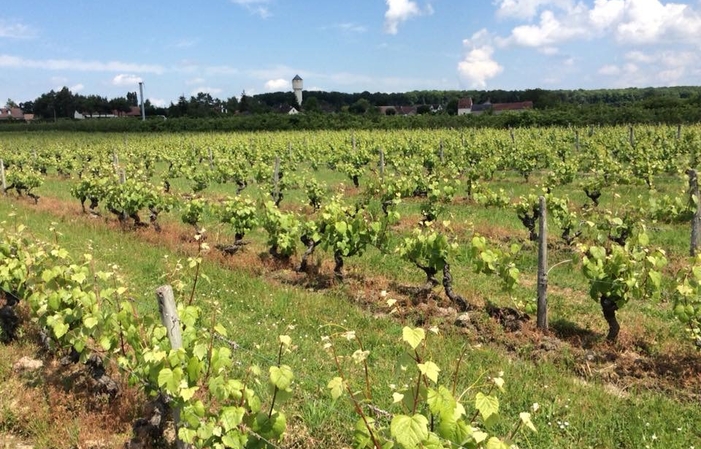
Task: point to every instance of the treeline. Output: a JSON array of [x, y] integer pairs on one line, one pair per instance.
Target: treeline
[[336, 110], [585, 115]]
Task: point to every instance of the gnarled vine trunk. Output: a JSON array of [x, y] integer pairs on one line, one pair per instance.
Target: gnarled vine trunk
[[609, 307], [458, 300]]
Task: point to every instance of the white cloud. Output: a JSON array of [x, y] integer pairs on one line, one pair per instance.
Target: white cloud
[[16, 30], [479, 65], [663, 67], [650, 21], [277, 84], [526, 9], [399, 11], [639, 56], [550, 31], [258, 7], [348, 27], [206, 90], [158, 102], [628, 21], [609, 70], [126, 80], [195, 81], [76, 88], [76, 65]]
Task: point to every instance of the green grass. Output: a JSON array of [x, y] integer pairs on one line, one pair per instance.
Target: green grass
[[256, 308]]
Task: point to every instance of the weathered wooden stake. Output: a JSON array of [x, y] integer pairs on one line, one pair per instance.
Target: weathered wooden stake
[[696, 221], [382, 165], [679, 131], [171, 321], [276, 179], [542, 310], [2, 177], [511, 132], [576, 140], [441, 152], [115, 161], [122, 176], [631, 135], [289, 149], [211, 159]]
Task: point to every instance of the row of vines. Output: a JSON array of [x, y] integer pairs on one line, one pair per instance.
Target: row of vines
[[257, 183]]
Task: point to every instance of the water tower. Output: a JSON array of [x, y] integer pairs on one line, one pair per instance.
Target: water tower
[[297, 88]]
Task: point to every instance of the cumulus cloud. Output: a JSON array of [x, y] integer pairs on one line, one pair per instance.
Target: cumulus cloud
[[479, 65], [526, 9], [126, 80], [399, 11], [76, 88], [277, 84], [257, 7], [650, 21], [628, 21]]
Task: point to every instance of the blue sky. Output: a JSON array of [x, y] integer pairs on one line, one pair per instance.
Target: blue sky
[[224, 47]]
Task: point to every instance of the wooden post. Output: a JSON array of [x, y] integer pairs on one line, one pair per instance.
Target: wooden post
[[2, 177], [171, 321], [289, 150], [276, 179], [382, 165], [441, 153], [696, 220], [115, 161], [122, 176], [576, 140], [542, 311], [211, 159], [679, 131], [631, 136], [511, 132]]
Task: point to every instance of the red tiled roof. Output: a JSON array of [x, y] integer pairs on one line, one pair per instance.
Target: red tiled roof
[[465, 103]]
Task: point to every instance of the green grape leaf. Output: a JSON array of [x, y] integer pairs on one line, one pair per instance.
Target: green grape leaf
[[409, 431], [413, 336]]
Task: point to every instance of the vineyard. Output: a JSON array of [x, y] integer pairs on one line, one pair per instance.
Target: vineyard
[[437, 288]]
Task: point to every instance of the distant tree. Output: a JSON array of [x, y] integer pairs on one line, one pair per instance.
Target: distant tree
[[65, 103], [311, 104], [452, 106], [360, 107], [244, 103], [27, 107], [133, 98], [120, 104], [231, 105], [423, 109], [10, 104]]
